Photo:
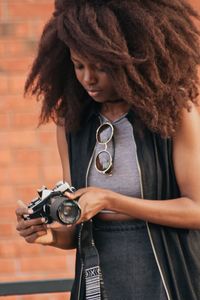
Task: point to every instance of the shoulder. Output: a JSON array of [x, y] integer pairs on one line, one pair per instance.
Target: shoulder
[[188, 131], [186, 153]]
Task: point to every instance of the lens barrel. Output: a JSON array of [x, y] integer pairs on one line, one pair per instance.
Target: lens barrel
[[64, 210]]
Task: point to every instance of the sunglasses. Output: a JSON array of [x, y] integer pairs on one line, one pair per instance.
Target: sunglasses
[[104, 160]]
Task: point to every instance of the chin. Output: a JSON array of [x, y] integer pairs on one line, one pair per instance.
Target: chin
[[99, 99], [107, 100]]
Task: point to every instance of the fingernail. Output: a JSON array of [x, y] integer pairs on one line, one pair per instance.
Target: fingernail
[[43, 220], [30, 211]]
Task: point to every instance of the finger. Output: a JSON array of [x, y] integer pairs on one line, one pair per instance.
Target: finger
[[76, 194], [23, 224], [24, 207], [32, 230], [21, 210], [21, 203]]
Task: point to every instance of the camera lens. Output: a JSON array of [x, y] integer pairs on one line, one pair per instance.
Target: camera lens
[[64, 210], [69, 212]]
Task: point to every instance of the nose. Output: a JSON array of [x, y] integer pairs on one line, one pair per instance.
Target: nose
[[90, 77]]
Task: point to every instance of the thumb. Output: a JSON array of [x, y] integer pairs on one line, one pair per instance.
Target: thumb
[[24, 207], [21, 204], [21, 210], [71, 196], [77, 194]]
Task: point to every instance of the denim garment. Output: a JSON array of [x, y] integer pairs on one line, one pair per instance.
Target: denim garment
[[127, 261]]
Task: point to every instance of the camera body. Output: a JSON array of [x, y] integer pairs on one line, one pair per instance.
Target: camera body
[[53, 205]]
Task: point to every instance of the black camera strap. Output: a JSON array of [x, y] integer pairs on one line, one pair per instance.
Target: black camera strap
[[93, 276]]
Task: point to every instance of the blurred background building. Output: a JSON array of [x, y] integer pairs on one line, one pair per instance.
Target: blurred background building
[[28, 155]]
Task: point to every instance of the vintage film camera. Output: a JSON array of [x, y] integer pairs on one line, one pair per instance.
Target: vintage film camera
[[53, 205]]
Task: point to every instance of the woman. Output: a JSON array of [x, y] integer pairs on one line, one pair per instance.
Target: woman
[[120, 78]]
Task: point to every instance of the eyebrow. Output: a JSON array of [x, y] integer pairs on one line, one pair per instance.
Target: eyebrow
[[75, 59]]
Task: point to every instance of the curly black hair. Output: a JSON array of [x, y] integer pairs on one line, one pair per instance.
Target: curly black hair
[[149, 47]]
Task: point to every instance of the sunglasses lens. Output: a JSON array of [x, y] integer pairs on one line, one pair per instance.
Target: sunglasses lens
[[103, 161], [104, 133]]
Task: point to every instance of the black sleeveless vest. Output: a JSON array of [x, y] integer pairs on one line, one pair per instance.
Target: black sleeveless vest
[[177, 251]]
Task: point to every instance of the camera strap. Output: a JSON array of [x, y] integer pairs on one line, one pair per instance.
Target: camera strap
[[93, 276]]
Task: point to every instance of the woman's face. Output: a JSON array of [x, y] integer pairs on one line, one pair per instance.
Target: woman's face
[[94, 79]]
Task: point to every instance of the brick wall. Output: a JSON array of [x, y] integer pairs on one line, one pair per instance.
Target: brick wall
[[28, 155]]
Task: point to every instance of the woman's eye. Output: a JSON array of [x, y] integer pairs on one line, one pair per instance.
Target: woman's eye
[[100, 68], [78, 66]]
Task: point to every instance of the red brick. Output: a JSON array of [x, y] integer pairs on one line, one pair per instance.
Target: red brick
[[24, 149], [28, 31], [31, 276], [22, 30], [2, 49], [4, 177], [51, 157], [4, 121], [24, 120], [3, 85], [43, 264], [16, 84], [7, 229], [17, 103], [5, 29], [7, 212], [23, 138], [52, 296], [27, 156], [18, 10], [18, 48], [27, 192], [7, 249], [7, 193], [52, 173], [15, 65], [7, 266], [13, 297], [47, 138], [5, 157], [18, 247], [24, 174], [36, 28]]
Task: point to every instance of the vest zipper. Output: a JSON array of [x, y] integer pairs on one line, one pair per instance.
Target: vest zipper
[[79, 236], [147, 225], [149, 232], [89, 164], [86, 179]]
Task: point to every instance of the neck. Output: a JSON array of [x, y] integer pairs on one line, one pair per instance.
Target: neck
[[114, 110]]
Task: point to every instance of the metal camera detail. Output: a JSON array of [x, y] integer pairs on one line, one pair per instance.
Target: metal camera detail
[[53, 205]]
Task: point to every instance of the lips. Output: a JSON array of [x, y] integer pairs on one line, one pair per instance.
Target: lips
[[93, 93]]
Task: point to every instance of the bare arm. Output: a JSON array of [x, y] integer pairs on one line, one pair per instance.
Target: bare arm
[[183, 212], [64, 236], [35, 230]]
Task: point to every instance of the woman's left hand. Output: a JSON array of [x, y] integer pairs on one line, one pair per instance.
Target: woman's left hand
[[91, 200]]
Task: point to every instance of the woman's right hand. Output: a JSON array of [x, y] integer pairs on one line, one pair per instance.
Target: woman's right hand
[[34, 230]]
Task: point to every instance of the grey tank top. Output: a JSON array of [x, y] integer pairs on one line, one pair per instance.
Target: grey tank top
[[125, 178]]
